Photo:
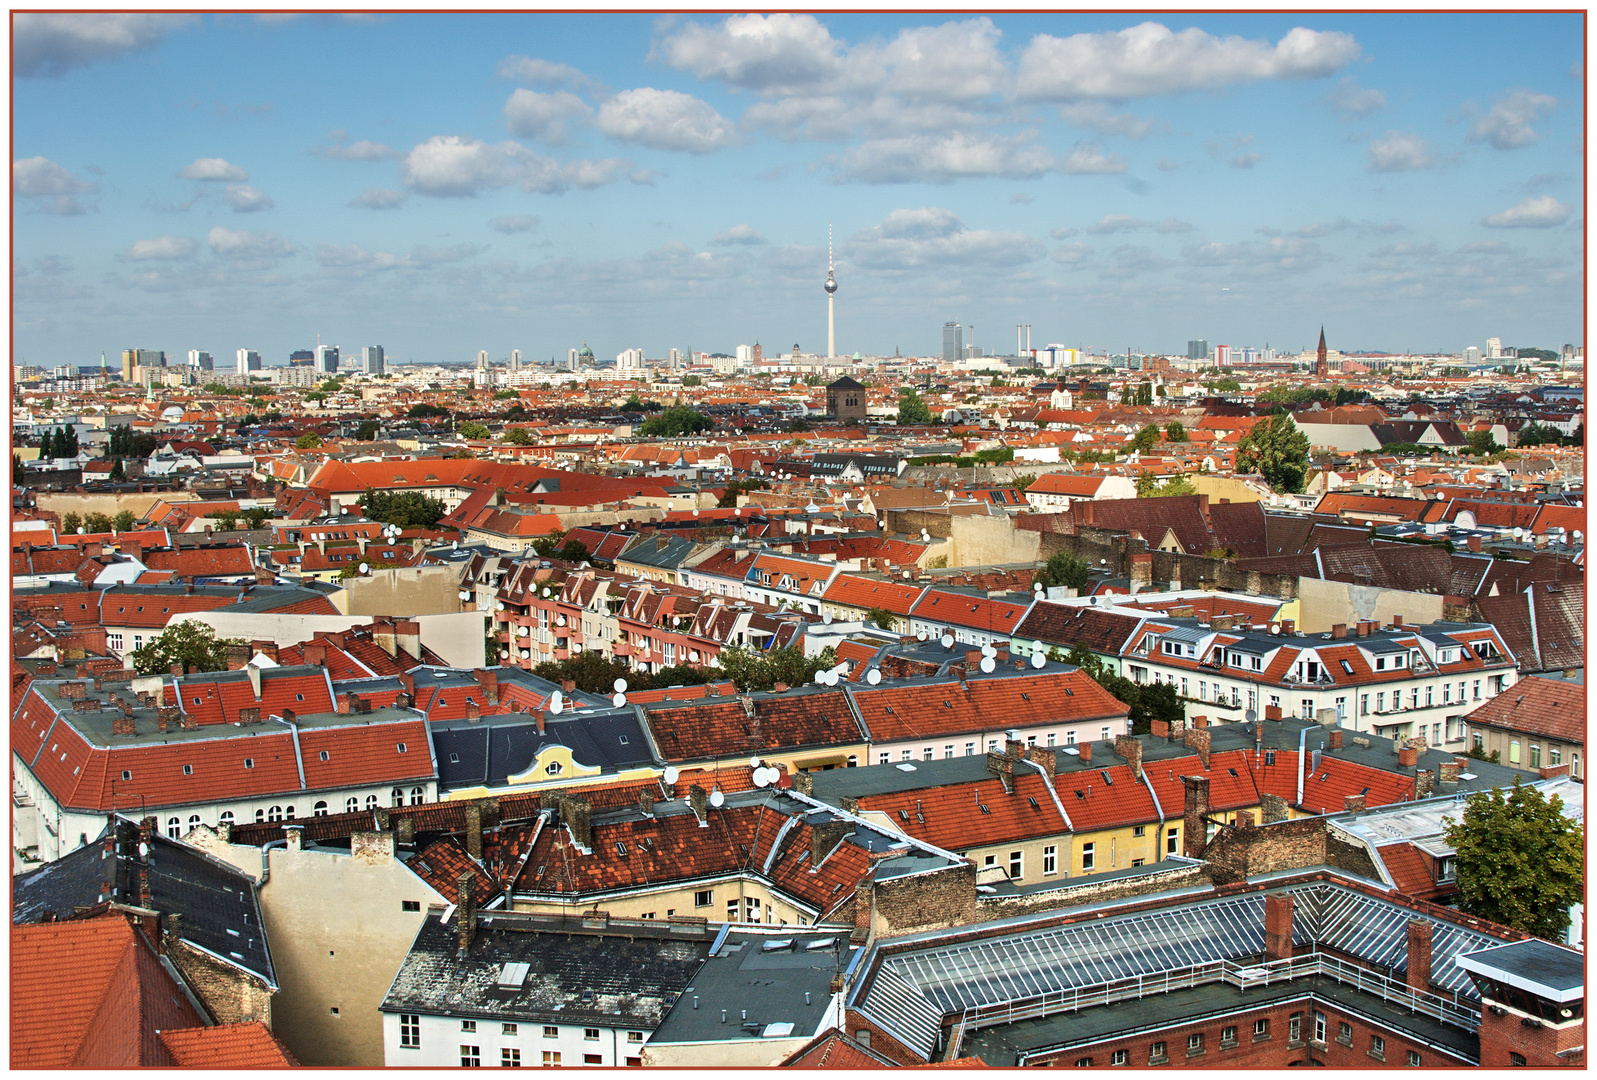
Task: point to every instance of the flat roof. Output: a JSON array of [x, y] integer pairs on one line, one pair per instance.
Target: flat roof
[[1535, 966]]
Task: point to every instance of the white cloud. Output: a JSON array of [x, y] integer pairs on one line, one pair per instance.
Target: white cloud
[[1172, 225], [1072, 254], [212, 168], [47, 45], [1280, 255], [1064, 232], [531, 69], [1245, 161], [377, 198], [1129, 261], [354, 261], [941, 159], [1507, 124], [362, 150], [53, 188], [162, 247], [1098, 116], [247, 245], [956, 61], [665, 120], [1150, 59], [1397, 152], [246, 200], [737, 234], [1354, 101], [514, 223], [1086, 159], [423, 257], [453, 166], [756, 52], [1113, 223], [543, 116], [933, 236], [1541, 212]]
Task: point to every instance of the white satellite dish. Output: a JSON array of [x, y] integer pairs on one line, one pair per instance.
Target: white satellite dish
[[737, 512], [671, 774], [695, 513], [1038, 660], [906, 572], [820, 678], [1275, 628], [920, 635], [873, 676], [827, 618], [576, 648], [500, 606], [546, 591], [947, 641], [560, 620], [619, 700], [364, 568], [988, 664], [760, 779], [523, 631], [831, 678], [556, 705], [988, 651], [620, 685], [717, 799], [1519, 534], [754, 763]]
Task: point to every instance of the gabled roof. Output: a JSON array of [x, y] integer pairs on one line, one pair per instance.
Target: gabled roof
[[227, 1046], [753, 724], [1548, 708], [941, 708], [1068, 625]]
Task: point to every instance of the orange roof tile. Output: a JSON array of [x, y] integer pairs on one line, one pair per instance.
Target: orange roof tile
[[227, 1046]]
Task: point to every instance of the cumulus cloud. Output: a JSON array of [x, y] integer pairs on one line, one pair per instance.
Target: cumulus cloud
[[51, 188], [665, 120], [918, 63], [944, 158], [162, 247], [1150, 59], [423, 257], [48, 45], [212, 168], [543, 116], [1354, 101], [514, 223], [738, 234], [1098, 116], [1129, 261], [1113, 223], [1280, 254], [756, 52], [376, 198], [548, 72], [453, 166], [1397, 152], [339, 146], [1541, 212], [1085, 158], [354, 261], [1245, 161], [933, 236], [247, 245], [1072, 254], [1507, 124], [1064, 232], [246, 200]]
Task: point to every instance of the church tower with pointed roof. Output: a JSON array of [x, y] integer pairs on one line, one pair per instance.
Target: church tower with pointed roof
[[1322, 367]]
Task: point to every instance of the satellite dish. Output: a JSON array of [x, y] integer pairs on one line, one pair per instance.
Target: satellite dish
[[695, 513], [738, 512], [619, 700], [920, 635], [754, 763], [717, 799], [1251, 715], [364, 568], [560, 620], [671, 774], [988, 665], [500, 606], [1275, 628], [1038, 660], [988, 651], [831, 678], [576, 648], [947, 641], [555, 705], [523, 631], [760, 779], [1519, 534], [620, 685], [827, 618], [546, 591], [464, 593], [820, 678], [906, 572], [873, 676]]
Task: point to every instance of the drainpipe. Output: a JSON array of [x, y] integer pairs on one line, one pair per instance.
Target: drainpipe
[[1303, 743], [266, 866], [1158, 847]]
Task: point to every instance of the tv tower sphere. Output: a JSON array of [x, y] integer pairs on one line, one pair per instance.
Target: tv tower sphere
[[831, 283]]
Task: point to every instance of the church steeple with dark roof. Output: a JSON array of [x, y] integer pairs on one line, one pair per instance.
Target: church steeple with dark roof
[[1322, 367]]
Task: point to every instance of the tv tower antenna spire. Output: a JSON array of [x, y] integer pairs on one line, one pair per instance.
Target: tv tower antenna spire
[[831, 296]]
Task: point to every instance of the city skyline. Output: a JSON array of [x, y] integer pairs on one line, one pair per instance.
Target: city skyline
[[537, 181]]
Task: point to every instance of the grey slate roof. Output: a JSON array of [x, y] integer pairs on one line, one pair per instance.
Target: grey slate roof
[[499, 746]]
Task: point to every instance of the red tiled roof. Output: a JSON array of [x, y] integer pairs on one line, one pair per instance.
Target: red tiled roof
[[915, 711], [1411, 872], [797, 719], [227, 1046], [869, 593], [1550, 708]]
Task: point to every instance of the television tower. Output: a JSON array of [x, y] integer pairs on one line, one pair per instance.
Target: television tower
[[831, 298]]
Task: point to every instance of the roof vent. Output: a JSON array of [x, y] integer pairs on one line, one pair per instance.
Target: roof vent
[[512, 976]]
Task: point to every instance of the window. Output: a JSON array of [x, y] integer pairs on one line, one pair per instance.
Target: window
[[904, 755], [1117, 1058], [320, 809], [1084, 1063], [550, 1031], [417, 795], [751, 907], [926, 754], [1535, 755], [732, 910], [260, 815], [1139, 830], [1513, 751], [194, 820], [275, 814], [351, 805], [1156, 1053], [1017, 865], [1261, 1028], [174, 827], [948, 751], [1555, 755], [1228, 1036], [227, 817], [249, 763], [1344, 1034], [1377, 1047], [1319, 1027], [634, 1036], [324, 754], [1195, 1043], [510, 1057], [703, 898], [884, 758], [1515, 1059], [409, 1031], [1413, 1057], [1050, 859], [970, 749], [371, 802], [551, 1057], [410, 905], [1170, 841], [1050, 739], [1089, 856], [1477, 688], [507, 1029], [468, 1025], [590, 1034], [1294, 1028], [397, 796], [188, 770]]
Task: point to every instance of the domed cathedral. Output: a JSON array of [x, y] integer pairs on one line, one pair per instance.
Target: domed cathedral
[[845, 400]]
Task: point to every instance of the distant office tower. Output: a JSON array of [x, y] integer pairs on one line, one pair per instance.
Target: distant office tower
[[1197, 349], [745, 355], [629, 360], [571, 359], [327, 359], [953, 333], [248, 360], [1569, 351], [1222, 355], [141, 358], [1494, 348], [1472, 355], [482, 359], [515, 361], [372, 360], [674, 358], [302, 358], [200, 360]]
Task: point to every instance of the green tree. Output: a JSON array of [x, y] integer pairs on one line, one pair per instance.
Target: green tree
[[676, 421], [407, 509], [1481, 442], [1277, 451], [18, 473], [331, 386], [593, 672], [192, 644], [426, 411], [255, 517], [795, 427], [1023, 481], [753, 670], [737, 487], [996, 455], [1145, 439], [47, 445], [1064, 569], [881, 617], [911, 409], [633, 403], [547, 545], [123, 520], [71, 523], [516, 436], [1521, 862], [308, 441], [1148, 486], [572, 551], [226, 521], [97, 523], [1175, 431], [515, 412], [118, 472], [472, 430], [505, 395], [692, 380], [367, 432]]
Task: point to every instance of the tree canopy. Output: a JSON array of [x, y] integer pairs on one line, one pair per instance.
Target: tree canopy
[[426, 410], [1521, 861], [1147, 701], [407, 509], [1145, 439], [1064, 570], [1277, 451], [676, 421], [308, 441], [192, 644], [754, 670], [1175, 431], [911, 409], [738, 487], [516, 436], [1148, 486], [471, 429]]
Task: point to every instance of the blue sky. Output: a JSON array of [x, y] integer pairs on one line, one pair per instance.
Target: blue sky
[[440, 184]]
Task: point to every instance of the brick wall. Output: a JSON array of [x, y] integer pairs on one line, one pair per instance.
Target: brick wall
[[229, 995], [932, 901], [1503, 1036], [1087, 891], [1235, 853]]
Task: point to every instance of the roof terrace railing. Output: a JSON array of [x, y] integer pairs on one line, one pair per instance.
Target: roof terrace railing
[[1448, 1008]]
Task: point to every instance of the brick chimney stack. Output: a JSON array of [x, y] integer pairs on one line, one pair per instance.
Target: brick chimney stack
[[1418, 975], [466, 910], [1194, 833], [1130, 748], [1277, 927]]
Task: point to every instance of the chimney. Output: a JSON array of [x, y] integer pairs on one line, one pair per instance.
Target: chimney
[[1045, 757], [344, 704], [1352, 804], [1272, 712], [1547, 772], [699, 800], [1197, 739], [577, 814], [568, 686], [862, 909], [488, 679], [826, 836], [1194, 834], [405, 829], [646, 802], [1277, 927], [1397, 620], [1408, 756], [315, 653], [294, 835], [1130, 748], [466, 910], [1159, 729], [1085, 750], [176, 669], [779, 688], [123, 725], [160, 721], [1014, 748], [289, 716], [1003, 767], [473, 712], [1200, 721], [1244, 819], [254, 674], [237, 657], [1473, 543], [1335, 742], [1289, 627], [804, 782], [1418, 974], [474, 830], [1449, 772], [1424, 783]]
